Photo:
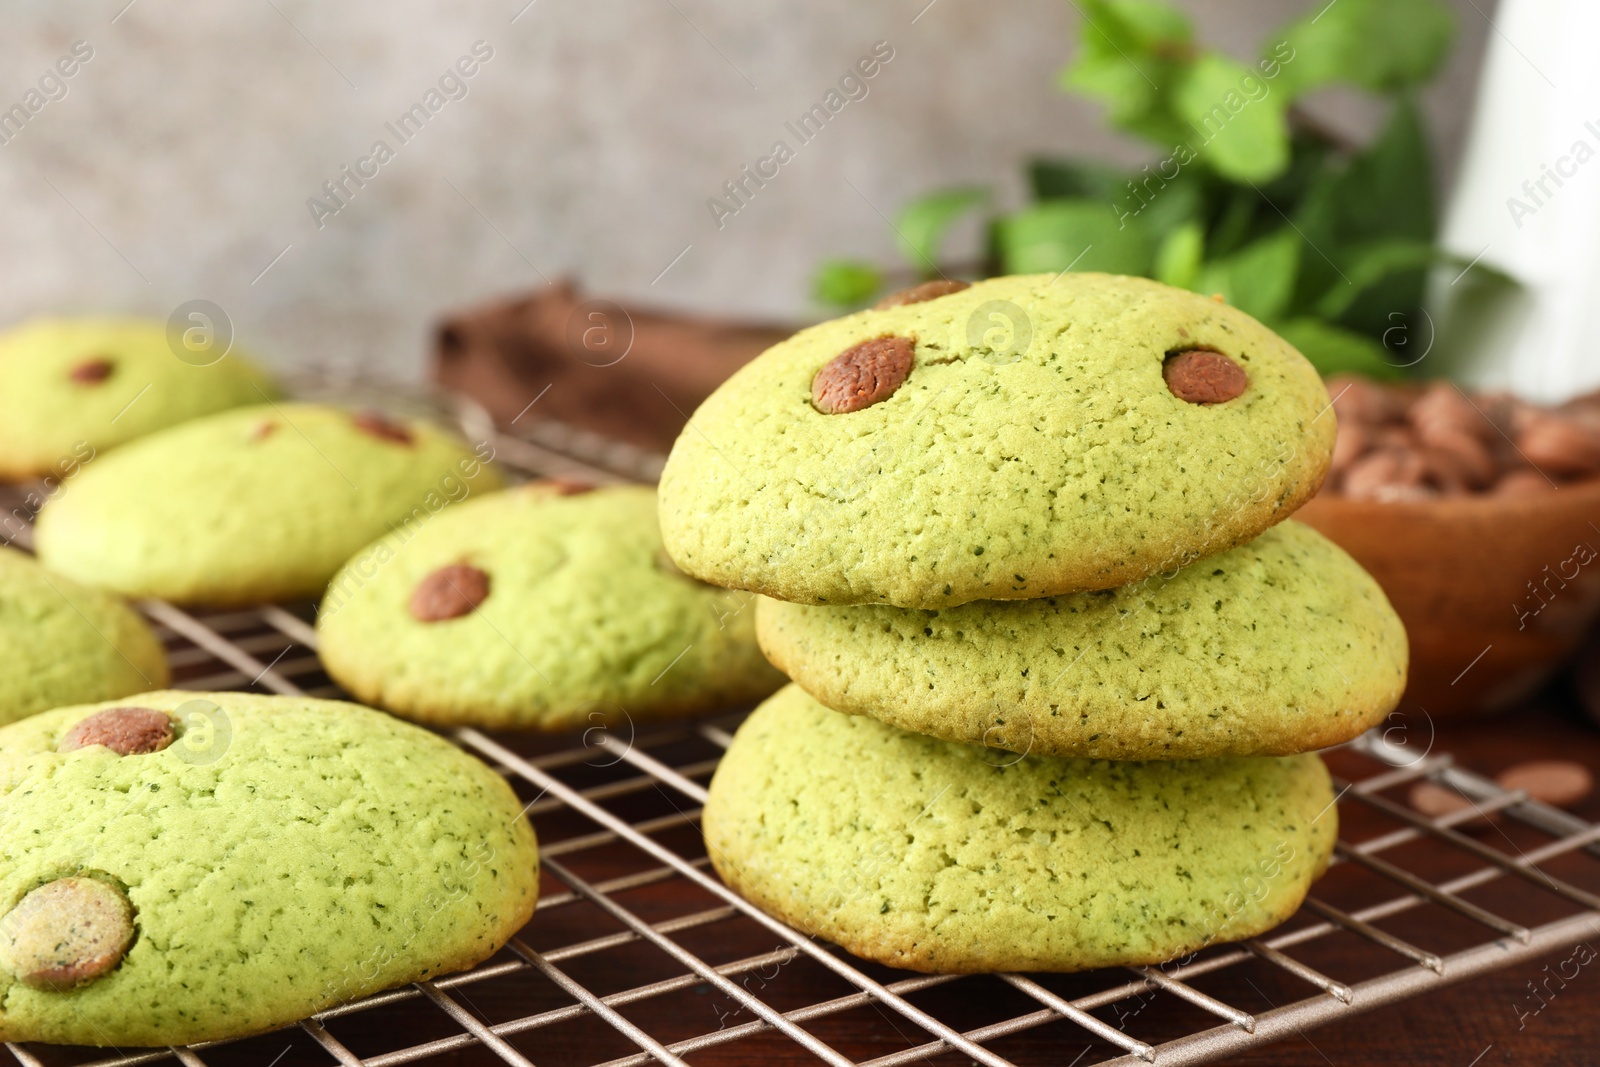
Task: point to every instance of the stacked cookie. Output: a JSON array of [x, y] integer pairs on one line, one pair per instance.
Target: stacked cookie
[[1059, 663]]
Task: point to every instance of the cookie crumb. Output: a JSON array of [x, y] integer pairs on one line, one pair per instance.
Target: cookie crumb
[[66, 932], [862, 375], [126, 731], [449, 593]]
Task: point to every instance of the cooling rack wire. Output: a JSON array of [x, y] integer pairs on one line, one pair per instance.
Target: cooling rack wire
[[638, 954]]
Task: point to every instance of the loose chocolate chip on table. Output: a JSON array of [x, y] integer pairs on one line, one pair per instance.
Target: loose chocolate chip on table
[[449, 593], [1434, 800], [381, 426], [1202, 376], [125, 731], [1558, 782], [66, 932], [92, 371], [919, 294], [862, 375]]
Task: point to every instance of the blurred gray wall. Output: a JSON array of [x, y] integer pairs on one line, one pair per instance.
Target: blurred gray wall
[[180, 160]]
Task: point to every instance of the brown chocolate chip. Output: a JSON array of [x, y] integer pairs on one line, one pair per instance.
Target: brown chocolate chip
[[1522, 482], [66, 932], [564, 486], [125, 731], [862, 375], [1389, 474], [1558, 782], [1435, 801], [1442, 413], [1560, 445], [449, 593], [92, 371], [381, 426], [263, 430], [919, 294], [1357, 400], [1202, 376], [1350, 445], [1457, 459]]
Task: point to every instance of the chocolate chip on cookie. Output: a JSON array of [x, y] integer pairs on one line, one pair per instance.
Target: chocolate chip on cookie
[[862, 375], [449, 593], [919, 294], [1203, 376], [125, 731], [66, 932], [263, 430], [377, 424], [564, 486], [92, 371]]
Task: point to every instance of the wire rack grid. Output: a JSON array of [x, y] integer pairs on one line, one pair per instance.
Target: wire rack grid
[[637, 948]]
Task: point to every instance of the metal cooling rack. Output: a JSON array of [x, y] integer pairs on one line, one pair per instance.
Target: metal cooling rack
[[626, 883]]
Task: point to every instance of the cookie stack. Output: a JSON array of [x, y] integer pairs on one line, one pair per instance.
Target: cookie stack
[[1059, 664]]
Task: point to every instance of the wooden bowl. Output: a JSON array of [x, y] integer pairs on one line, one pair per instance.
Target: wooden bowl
[[1495, 592]]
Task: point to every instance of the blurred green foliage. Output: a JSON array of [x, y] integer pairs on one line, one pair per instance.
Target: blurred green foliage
[[1328, 242]]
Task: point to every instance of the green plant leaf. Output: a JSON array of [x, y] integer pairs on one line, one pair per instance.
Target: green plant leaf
[[1129, 52], [1052, 179], [1384, 194], [924, 222], [1337, 351], [1259, 278], [1378, 45], [1083, 234], [1236, 123], [1179, 258], [1369, 266], [1387, 190], [845, 283]]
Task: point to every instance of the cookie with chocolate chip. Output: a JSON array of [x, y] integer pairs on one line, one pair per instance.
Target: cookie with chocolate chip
[[63, 643], [1278, 646], [72, 388], [184, 867], [550, 606], [258, 504], [1016, 438]]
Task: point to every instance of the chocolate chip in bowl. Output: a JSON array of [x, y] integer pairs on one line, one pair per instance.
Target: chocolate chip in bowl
[[1484, 544]]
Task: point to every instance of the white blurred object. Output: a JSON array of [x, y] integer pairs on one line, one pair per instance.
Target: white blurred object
[[1528, 202]]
